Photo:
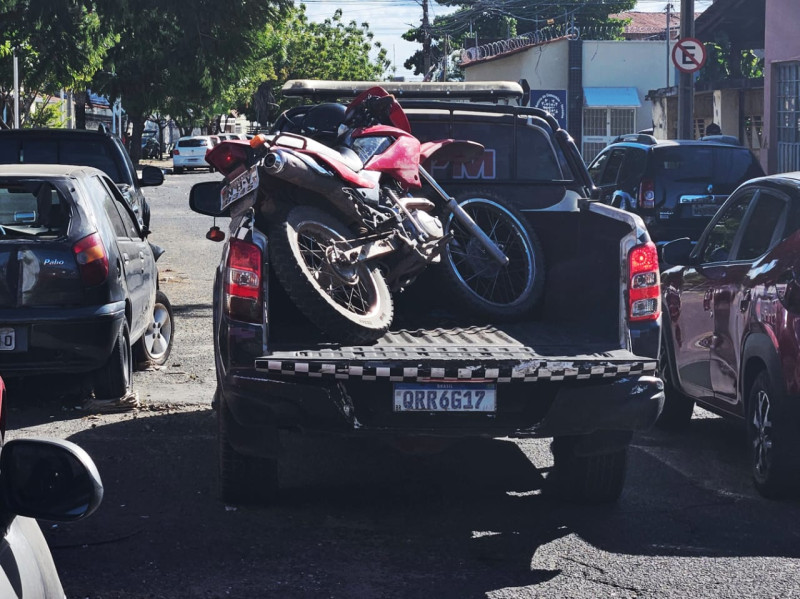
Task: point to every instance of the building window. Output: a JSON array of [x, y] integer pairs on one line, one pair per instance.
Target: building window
[[788, 122], [602, 125]]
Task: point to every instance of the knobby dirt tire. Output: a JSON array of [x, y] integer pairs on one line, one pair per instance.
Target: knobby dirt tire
[[314, 290], [481, 285]]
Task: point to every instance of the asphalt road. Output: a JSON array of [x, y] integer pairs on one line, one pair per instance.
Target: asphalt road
[[359, 520]]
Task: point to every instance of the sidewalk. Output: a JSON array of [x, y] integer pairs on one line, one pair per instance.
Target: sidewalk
[[165, 165]]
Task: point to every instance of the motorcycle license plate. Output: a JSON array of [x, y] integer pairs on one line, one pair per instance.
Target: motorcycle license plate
[[445, 397], [8, 340], [239, 187]]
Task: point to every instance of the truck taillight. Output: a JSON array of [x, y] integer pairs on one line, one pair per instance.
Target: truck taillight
[[647, 194], [644, 283], [92, 260], [243, 281]]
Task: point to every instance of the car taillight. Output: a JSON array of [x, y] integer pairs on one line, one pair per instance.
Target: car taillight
[[644, 283], [227, 156], [92, 260], [647, 194], [243, 281], [176, 152]]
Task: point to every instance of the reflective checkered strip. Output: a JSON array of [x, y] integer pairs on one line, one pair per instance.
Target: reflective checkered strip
[[527, 372]]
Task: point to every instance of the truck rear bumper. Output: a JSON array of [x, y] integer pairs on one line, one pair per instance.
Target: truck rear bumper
[[257, 402]]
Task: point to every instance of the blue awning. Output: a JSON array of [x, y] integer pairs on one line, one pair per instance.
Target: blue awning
[[611, 96]]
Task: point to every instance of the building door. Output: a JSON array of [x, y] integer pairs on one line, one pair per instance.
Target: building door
[[788, 117]]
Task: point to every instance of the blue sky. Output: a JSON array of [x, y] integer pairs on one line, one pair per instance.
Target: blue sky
[[388, 19]]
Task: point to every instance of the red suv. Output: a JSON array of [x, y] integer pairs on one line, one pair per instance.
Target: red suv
[[731, 341]]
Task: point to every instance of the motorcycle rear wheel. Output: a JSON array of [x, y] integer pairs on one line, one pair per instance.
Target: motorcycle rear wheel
[[483, 286], [356, 311]]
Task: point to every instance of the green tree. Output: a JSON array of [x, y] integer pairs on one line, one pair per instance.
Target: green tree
[[490, 20], [297, 48], [58, 44], [181, 56]]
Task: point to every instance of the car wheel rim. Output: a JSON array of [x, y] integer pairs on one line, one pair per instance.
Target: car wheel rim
[[762, 434], [159, 332]]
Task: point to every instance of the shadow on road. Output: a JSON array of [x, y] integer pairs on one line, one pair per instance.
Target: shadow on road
[[357, 519]]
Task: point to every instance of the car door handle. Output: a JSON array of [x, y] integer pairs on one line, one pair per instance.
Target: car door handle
[[126, 258], [744, 304]]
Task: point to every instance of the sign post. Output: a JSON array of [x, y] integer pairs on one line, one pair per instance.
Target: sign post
[[686, 79]]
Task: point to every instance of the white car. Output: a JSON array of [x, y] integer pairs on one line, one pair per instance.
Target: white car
[[190, 152]]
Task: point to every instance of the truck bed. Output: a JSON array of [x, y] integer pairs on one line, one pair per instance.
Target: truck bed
[[575, 333]]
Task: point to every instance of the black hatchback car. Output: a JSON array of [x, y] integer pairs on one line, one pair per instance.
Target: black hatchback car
[[676, 186], [78, 279]]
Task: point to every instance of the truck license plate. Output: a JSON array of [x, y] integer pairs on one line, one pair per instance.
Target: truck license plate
[[7, 339], [704, 209], [239, 187], [445, 397]]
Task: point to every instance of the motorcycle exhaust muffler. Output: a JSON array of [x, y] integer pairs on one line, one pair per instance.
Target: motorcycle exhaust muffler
[[295, 169]]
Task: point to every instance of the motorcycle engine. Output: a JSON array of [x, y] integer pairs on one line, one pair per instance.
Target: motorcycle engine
[[430, 224]]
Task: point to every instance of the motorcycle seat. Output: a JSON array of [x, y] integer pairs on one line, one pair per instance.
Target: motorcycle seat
[[340, 153]]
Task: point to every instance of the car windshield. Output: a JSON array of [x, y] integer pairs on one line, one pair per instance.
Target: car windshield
[[32, 208], [720, 166]]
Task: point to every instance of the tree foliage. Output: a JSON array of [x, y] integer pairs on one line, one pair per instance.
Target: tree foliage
[[190, 59], [58, 45], [297, 48]]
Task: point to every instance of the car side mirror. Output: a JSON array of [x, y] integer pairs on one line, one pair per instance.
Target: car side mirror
[[151, 176], [205, 199], [677, 252], [50, 479]]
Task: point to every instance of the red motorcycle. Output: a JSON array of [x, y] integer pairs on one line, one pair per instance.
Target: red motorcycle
[[345, 230]]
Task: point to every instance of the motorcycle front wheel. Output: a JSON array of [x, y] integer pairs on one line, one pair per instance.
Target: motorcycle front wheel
[[481, 284], [353, 305]]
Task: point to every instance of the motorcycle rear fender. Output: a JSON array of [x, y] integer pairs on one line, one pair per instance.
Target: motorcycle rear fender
[[451, 150]]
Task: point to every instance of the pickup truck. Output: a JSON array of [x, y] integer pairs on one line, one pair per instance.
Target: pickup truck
[[580, 370]]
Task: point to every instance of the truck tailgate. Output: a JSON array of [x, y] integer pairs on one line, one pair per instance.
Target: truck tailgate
[[520, 352]]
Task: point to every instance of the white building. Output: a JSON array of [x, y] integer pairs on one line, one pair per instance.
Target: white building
[[596, 89]]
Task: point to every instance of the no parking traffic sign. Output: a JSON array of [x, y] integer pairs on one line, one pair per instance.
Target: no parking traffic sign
[[689, 54]]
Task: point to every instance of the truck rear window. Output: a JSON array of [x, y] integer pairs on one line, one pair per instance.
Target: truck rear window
[[81, 152], [714, 165]]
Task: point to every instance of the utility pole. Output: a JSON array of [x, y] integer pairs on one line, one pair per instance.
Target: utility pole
[[686, 80], [16, 89], [426, 40], [668, 37]]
